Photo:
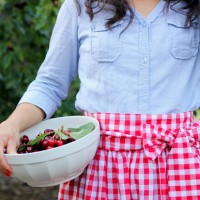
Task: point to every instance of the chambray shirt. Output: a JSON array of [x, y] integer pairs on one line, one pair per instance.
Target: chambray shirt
[[150, 67]]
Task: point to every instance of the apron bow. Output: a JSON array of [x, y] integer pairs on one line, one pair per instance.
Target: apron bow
[[156, 139]]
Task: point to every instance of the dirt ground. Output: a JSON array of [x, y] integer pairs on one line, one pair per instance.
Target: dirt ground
[[12, 189]]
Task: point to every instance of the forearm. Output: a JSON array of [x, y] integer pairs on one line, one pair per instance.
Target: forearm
[[25, 116]]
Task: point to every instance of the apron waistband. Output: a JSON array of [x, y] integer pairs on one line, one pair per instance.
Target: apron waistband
[[153, 133]]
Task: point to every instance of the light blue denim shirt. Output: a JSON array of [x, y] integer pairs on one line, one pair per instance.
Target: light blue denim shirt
[[151, 67]]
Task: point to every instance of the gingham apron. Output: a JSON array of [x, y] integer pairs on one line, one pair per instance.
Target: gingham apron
[[141, 157]]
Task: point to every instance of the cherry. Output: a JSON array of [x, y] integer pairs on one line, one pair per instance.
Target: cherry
[[71, 139], [44, 144], [48, 137], [21, 152], [66, 141], [59, 143], [29, 149], [24, 139], [51, 142], [49, 131], [49, 147], [38, 146]]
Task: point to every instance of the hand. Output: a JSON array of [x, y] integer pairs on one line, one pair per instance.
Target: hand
[[9, 138]]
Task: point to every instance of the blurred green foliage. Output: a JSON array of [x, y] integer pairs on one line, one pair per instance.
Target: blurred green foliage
[[25, 30]]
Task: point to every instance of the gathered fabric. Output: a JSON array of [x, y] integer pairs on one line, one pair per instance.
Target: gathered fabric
[[141, 157]]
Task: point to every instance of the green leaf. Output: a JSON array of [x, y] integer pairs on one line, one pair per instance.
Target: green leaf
[[89, 125], [82, 131], [6, 61], [32, 142], [22, 148]]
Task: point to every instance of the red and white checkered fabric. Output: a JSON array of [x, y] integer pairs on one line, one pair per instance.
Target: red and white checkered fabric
[[141, 157]]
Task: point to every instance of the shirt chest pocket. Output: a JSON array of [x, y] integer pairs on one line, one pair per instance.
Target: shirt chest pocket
[[183, 40], [106, 44]]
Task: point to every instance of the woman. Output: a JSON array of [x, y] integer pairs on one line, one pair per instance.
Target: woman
[[139, 67]]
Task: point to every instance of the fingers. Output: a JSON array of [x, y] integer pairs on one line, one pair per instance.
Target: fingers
[[4, 167], [11, 146], [8, 140]]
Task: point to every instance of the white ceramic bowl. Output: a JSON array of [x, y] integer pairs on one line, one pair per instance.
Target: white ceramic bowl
[[54, 166]]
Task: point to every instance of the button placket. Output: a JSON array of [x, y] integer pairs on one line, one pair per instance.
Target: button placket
[[144, 68]]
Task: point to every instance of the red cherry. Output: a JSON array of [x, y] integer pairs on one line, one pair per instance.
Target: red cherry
[[71, 139], [48, 137], [44, 144], [29, 149], [65, 141], [38, 145], [20, 152], [49, 147], [59, 143], [51, 142], [49, 131], [24, 139]]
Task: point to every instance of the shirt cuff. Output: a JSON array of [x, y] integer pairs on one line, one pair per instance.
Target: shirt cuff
[[40, 100]]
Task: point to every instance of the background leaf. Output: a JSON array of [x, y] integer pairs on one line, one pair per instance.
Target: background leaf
[[25, 30]]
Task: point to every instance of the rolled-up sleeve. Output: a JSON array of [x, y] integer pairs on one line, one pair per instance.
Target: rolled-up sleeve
[[60, 64]]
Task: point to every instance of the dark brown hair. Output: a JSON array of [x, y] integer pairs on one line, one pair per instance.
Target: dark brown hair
[[191, 8]]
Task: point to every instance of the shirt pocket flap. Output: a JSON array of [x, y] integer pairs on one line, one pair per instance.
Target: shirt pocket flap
[[98, 26], [180, 21]]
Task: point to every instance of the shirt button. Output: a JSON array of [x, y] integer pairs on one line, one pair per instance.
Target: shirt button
[[144, 60], [143, 24]]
